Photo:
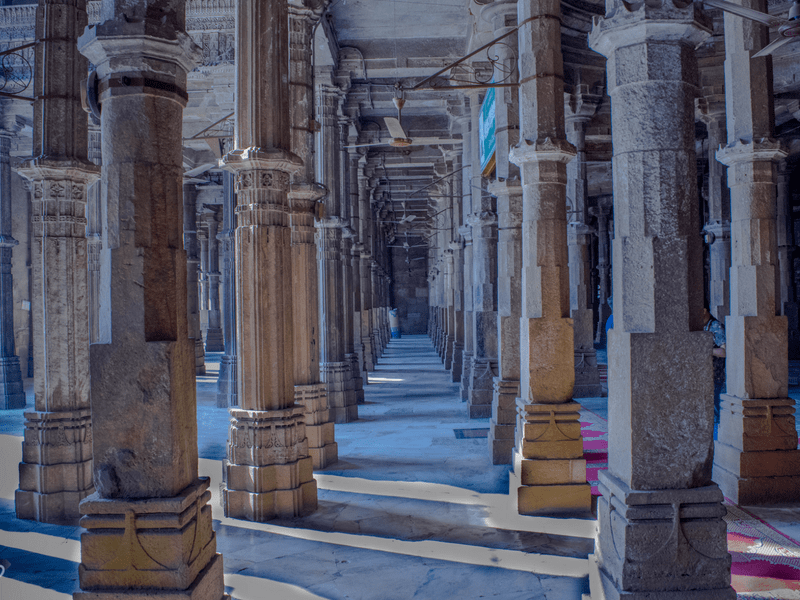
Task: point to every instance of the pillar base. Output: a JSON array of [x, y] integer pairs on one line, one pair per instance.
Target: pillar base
[[56, 469], [160, 548], [466, 375], [199, 357], [587, 377], [226, 384], [502, 425], [756, 460], [457, 366], [12, 394], [661, 544], [268, 473], [481, 387], [214, 340], [319, 428], [549, 475], [341, 396]]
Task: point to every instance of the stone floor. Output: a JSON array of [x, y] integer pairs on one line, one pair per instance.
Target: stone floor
[[409, 511], [413, 509]]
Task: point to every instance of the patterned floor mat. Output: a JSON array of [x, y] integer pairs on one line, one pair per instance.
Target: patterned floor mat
[[765, 562]]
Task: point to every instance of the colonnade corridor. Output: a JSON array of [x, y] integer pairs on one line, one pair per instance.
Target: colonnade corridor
[[414, 508]]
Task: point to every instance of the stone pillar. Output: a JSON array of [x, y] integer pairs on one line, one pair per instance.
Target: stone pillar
[[56, 469], [148, 525], [226, 383], [366, 225], [11, 391], [579, 110], [192, 277], [94, 236], [465, 230], [214, 341], [202, 240], [756, 458], [602, 213], [719, 218], [268, 472], [457, 246], [483, 221], [661, 533], [549, 471], [309, 391]]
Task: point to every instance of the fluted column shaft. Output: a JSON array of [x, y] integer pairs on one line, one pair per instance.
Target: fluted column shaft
[[56, 468], [652, 77], [755, 458]]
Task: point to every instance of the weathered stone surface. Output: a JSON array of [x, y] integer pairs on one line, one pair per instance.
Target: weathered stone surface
[[226, 383]]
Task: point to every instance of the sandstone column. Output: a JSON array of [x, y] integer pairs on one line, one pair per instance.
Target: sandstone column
[[580, 109], [226, 383], [214, 341], [756, 458], [268, 472], [483, 220], [148, 525], [336, 369], [660, 517], [56, 469], [719, 216], [190, 245], [602, 213], [304, 195], [549, 471], [11, 392], [94, 236]]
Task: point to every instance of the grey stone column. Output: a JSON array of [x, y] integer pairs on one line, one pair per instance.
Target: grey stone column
[[469, 339], [309, 391], [602, 213], [268, 472], [142, 380], [226, 383], [366, 226], [659, 479], [214, 341], [719, 217], [56, 469], [579, 110], [11, 391], [94, 236], [190, 246], [483, 221], [202, 240], [549, 471], [756, 458]]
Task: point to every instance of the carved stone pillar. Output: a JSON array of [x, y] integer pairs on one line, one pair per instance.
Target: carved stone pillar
[[469, 339], [226, 383], [756, 459], [94, 237], [309, 391], [658, 480], [580, 108], [719, 219], [214, 341], [148, 525], [190, 245], [56, 469], [11, 391], [602, 213], [549, 471], [268, 472], [202, 240], [786, 296]]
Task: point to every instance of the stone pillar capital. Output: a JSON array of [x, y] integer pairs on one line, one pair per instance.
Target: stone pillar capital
[[241, 161], [161, 56], [304, 196], [749, 152], [465, 231], [542, 150], [667, 21], [330, 223], [579, 233], [504, 187]]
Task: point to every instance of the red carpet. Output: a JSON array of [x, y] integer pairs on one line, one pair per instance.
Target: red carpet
[[766, 563]]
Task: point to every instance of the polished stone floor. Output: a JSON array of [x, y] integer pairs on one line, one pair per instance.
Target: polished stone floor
[[409, 511]]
